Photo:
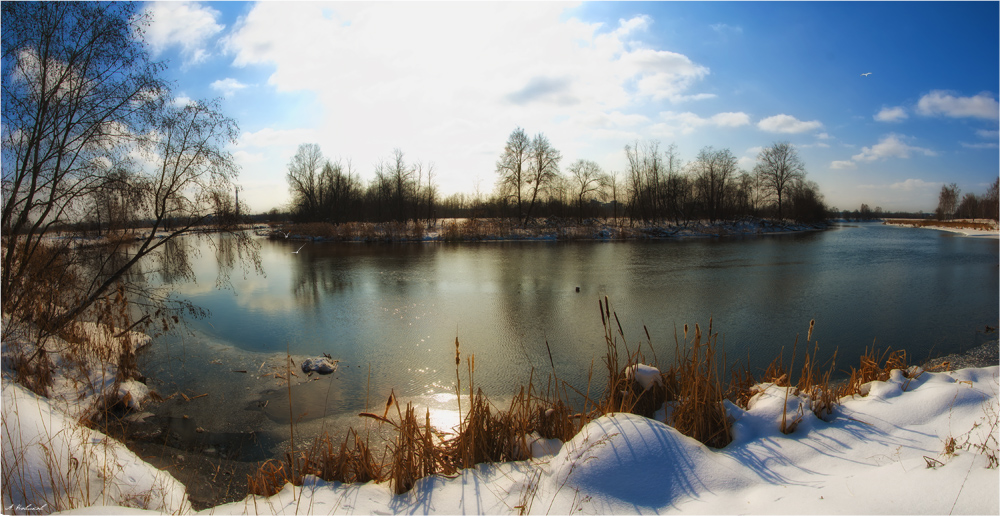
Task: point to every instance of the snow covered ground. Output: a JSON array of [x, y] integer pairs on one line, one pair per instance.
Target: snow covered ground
[[971, 232], [993, 232], [926, 445]]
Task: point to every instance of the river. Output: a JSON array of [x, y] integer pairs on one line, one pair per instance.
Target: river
[[391, 313]]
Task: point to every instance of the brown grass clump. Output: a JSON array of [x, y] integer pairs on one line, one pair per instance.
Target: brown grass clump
[[699, 412], [415, 454], [693, 385], [874, 367], [271, 476]]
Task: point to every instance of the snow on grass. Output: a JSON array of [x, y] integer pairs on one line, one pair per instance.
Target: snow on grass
[[644, 374], [80, 378], [50, 463]]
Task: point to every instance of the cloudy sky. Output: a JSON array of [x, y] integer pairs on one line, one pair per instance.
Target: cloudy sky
[[446, 83]]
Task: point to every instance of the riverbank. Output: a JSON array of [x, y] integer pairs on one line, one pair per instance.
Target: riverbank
[[966, 227], [909, 441], [475, 230]]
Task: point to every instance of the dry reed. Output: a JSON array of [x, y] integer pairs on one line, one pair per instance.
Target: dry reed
[[690, 393]]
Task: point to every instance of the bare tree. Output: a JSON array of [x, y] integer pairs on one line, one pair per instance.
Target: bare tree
[[947, 201], [543, 168], [306, 180], [612, 182], [587, 180], [713, 170], [513, 167], [779, 167], [87, 120], [991, 208]]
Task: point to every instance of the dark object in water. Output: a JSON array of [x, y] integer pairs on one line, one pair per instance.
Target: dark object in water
[[321, 365]]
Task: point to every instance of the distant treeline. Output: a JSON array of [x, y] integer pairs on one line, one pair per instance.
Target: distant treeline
[[656, 186], [971, 206]]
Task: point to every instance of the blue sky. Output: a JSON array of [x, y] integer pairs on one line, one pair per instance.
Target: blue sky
[[446, 83]]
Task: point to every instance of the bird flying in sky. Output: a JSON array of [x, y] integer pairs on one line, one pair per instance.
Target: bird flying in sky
[[866, 74]]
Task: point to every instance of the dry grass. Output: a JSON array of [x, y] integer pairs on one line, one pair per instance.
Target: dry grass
[[699, 412], [690, 393], [875, 366], [356, 231]]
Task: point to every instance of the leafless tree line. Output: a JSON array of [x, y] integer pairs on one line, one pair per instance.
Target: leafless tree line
[[656, 186], [332, 191], [971, 206]]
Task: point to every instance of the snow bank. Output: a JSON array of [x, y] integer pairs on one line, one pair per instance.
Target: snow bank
[[920, 445], [52, 463]]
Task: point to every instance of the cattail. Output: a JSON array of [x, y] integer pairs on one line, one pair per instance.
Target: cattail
[[389, 402], [685, 331], [458, 359], [809, 336]]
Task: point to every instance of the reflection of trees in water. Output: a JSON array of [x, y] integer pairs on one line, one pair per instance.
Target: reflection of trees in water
[[330, 269], [313, 277], [175, 265], [149, 284]]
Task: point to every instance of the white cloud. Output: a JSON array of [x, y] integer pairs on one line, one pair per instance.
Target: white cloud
[[842, 165], [913, 184], [188, 25], [980, 145], [228, 86], [893, 114], [988, 134], [268, 137], [664, 75], [824, 136], [908, 185], [182, 101], [450, 81], [940, 102], [787, 124], [890, 146], [244, 158], [724, 29], [687, 122], [731, 119]]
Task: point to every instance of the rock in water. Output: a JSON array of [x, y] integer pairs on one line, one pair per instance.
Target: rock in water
[[321, 365]]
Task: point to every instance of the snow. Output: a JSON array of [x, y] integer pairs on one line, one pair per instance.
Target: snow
[[916, 443], [78, 382], [869, 457], [51, 462], [992, 232], [644, 374]]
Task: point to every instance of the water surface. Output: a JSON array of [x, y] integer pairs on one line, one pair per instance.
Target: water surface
[[391, 313]]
